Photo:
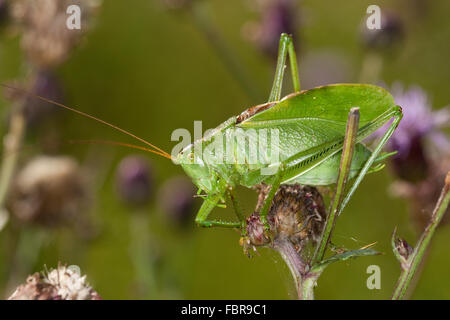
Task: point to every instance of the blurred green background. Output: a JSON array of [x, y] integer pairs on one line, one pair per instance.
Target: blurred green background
[[150, 70]]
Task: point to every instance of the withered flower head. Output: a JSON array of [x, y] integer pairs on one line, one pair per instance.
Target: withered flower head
[[423, 151], [46, 38], [62, 283], [49, 191], [297, 215]]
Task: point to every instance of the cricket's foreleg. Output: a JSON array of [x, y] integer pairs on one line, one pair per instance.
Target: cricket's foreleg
[[397, 117], [286, 47], [208, 205]]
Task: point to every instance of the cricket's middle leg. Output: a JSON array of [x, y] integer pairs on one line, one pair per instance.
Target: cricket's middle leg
[[286, 47], [201, 219]]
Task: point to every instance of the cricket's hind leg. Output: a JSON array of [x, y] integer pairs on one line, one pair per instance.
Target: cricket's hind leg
[[339, 201], [286, 47], [387, 135]]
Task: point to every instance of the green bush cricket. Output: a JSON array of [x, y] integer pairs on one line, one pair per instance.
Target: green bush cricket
[[312, 131]]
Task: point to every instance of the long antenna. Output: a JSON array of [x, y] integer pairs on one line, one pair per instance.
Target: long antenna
[[115, 143], [161, 152]]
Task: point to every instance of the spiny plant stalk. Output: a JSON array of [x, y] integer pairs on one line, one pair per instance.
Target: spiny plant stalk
[[413, 261]]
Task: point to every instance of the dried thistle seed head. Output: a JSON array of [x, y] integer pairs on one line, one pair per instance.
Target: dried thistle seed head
[[46, 38], [62, 283], [50, 191], [134, 180], [297, 215], [35, 289]]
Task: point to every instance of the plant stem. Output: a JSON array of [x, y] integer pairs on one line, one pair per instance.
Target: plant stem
[[416, 257], [12, 142], [296, 265], [371, 68], [141, 255], [223, 51], [344, 171], [308, 285]]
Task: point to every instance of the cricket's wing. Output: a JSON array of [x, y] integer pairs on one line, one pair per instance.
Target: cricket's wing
[[314, 117], [326, 172]]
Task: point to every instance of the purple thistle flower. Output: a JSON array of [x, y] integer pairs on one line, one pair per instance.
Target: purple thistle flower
[[419, 119], [419, 123], [134, 180]]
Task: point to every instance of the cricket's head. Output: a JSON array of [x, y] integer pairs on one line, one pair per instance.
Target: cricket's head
[[194, 166]]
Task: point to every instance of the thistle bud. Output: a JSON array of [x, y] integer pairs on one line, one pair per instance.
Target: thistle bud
[[277, 17], [134, 180], [403, 248], [390, 33], [44, 84], [176, 199]]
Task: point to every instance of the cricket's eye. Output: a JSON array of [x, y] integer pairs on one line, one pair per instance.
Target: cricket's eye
[[191, 156]]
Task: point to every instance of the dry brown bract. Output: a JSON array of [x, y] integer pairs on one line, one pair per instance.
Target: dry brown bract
[[297, 215]]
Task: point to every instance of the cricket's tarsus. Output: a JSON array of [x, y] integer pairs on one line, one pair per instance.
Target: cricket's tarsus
[[156, 151]]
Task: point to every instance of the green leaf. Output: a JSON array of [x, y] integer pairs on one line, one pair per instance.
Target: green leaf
[[342, 257]]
